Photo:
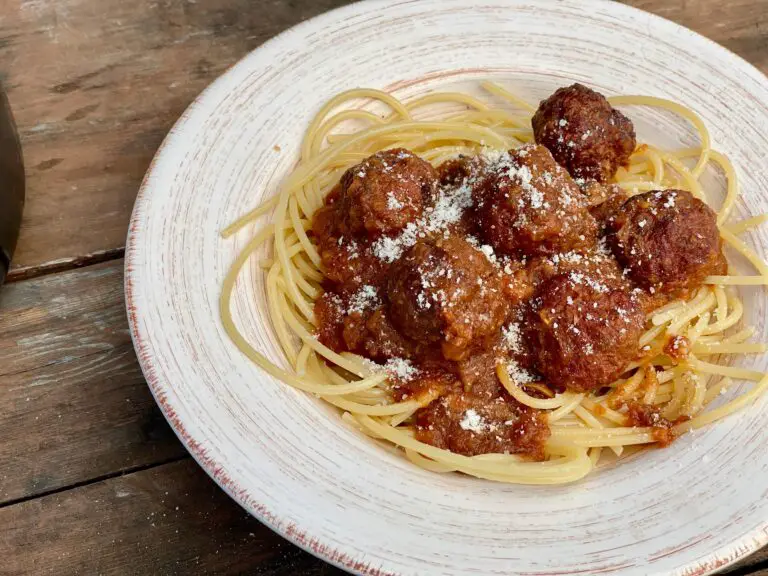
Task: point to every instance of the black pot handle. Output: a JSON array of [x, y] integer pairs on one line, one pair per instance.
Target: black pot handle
[[11, 185]]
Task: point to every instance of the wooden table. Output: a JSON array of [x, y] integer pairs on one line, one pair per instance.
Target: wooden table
[[92, 479]]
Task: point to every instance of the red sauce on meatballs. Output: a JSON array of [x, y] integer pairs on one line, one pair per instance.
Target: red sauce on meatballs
[[526, 259]]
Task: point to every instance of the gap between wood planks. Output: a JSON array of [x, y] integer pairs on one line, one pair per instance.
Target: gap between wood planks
[[76, 405], [95, 480], [64, 264], [169, 519], [90, 467], [95, 86]]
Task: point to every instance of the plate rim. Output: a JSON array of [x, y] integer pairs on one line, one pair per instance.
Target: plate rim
[[751, 541]]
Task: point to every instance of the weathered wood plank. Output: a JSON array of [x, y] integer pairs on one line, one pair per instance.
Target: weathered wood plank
[[754, 565], [96, 85], [168, 520], [761, 570], [75, 404], [62, 317], [739, 25]]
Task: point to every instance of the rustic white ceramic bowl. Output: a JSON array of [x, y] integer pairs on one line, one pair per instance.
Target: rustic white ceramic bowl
[[289, 460]]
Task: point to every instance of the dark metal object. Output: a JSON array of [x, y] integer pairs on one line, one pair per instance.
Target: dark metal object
[[11, 185]]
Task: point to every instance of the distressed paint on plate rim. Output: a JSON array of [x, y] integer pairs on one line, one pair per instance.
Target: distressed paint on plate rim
[[160, 388]]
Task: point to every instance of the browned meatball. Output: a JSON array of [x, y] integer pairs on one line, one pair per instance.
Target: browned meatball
[[447, 291], [329, 315], [357, 322], [529, 205], [584, 132], [386, 191], [373, 334], [380, 195], [668, 241], [597, 263], [458, 170], [468, 424], [584, 330]]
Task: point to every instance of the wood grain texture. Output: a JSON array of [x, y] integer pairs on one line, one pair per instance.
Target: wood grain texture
[[75, 404], [755, 565], [739, 25], [95, 85], [166, 521]]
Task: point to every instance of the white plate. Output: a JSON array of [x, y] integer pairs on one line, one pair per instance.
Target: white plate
[[692, 508]]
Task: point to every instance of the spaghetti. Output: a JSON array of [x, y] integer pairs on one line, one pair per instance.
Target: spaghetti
[[584, 426]]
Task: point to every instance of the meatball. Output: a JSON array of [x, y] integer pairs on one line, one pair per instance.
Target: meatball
[[357, 322], [469, 425], [386, 191], [584, 330], [350, 263], [529, 205], [668, 241], [329, 315], [372, 333], [584, 132], [447, 291], [380, 195], [596, 263], [459, 170]]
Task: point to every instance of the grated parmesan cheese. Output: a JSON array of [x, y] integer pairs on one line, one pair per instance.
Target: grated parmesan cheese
[[518, 374], [489, 253], [512, 338], [472, 421], [401, 368], [365, 298], [448, 209], [492, 155], [393, 203]]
